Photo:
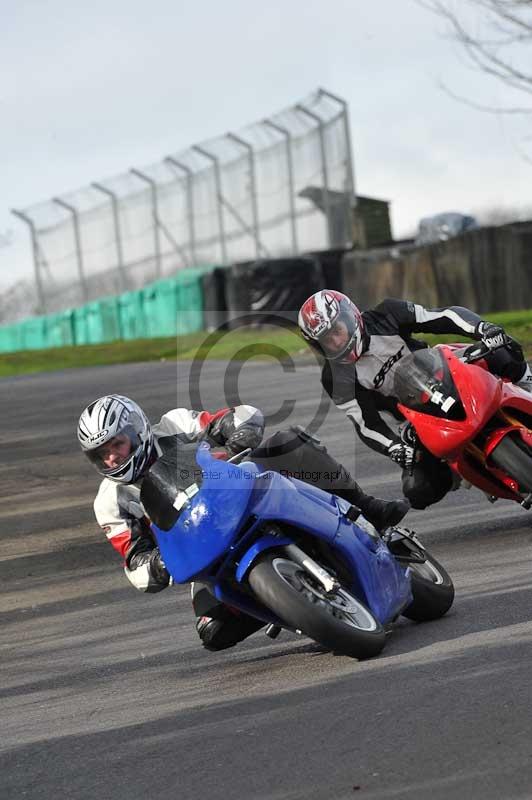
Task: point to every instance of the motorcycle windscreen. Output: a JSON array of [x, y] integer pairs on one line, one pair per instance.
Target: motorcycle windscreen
[[208, 522], [423, 382]]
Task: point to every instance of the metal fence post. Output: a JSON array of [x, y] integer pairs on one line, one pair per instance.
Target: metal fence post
[[219, 198], [155, 213], [190, 203], [252, 188], [325, 177], [350, 175], [77, 237], [36, 263], [291, 186], [118, 237]]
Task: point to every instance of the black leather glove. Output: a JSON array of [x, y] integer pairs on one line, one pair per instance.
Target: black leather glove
[[401, 454], [158, 568], [158, 576], [236, 437], [491, 335], [515, 349], [244, 437]]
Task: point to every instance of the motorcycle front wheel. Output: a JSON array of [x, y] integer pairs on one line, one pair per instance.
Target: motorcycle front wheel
[[514, 457], [337, 620], [432, 591]]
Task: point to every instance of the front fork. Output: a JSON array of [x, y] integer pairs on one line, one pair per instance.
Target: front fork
[[328, 582], [309, 565]]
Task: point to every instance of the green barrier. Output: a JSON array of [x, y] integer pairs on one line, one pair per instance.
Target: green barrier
[[190, 302], [169, 307], [110, 320], [59, 329], [102, 320], [35, 333], [160, 308], [174, 306], [11, 338], [131, 315], [80, 324]]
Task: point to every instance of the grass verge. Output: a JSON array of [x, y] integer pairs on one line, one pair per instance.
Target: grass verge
[[241, 344]]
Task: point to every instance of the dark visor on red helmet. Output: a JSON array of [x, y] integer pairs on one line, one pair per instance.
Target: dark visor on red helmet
[[337, 341]]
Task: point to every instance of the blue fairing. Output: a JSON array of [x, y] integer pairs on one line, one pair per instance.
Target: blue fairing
[[378, 580], [208, 526], [213, 524], [296, 503], [266, 542]]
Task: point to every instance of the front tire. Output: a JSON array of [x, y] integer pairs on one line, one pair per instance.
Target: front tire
[[513, 457], [432, 590], [337, 620]]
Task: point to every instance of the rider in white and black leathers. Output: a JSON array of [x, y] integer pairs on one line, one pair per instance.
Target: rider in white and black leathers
[[119, 440], [362, 351]]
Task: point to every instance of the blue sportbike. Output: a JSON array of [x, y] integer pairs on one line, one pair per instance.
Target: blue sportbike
[[287, 553]]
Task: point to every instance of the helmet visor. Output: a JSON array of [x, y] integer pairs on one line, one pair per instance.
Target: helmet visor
[[339, 338], [115, 452]]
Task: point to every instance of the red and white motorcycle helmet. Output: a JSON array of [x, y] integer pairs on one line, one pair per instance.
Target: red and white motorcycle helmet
[[333, 325]]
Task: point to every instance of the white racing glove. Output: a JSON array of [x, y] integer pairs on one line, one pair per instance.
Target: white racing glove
[[401, 454], [491, 335]]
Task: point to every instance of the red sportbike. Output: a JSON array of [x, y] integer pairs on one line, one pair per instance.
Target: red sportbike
[[480, 424]]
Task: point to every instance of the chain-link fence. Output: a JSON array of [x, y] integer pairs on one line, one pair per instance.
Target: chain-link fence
[[282, 186]]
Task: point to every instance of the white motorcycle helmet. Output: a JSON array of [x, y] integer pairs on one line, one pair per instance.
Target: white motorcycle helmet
[[117, 418]]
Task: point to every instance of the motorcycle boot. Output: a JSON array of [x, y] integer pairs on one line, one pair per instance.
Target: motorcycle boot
[[220, 626], [226, 629], [382, 514]]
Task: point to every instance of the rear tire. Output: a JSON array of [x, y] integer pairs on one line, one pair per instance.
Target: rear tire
[[337, 621], [512, 457], [432, 590]]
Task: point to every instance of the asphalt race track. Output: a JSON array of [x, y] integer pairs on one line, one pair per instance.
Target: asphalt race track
[[106, 692]]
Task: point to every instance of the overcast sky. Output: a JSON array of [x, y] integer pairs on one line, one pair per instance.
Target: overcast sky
[[89, 89]]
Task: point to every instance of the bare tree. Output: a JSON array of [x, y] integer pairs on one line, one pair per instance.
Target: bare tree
[[497, 41]]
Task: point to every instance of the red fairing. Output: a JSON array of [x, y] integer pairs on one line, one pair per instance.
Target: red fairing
[[481, 479], [205, 418], [482, 395], [495, 437], [121, 542]]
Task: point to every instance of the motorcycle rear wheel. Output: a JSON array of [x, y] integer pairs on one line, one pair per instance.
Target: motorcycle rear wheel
[[513, 458], [337, 620], [432, 590]]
